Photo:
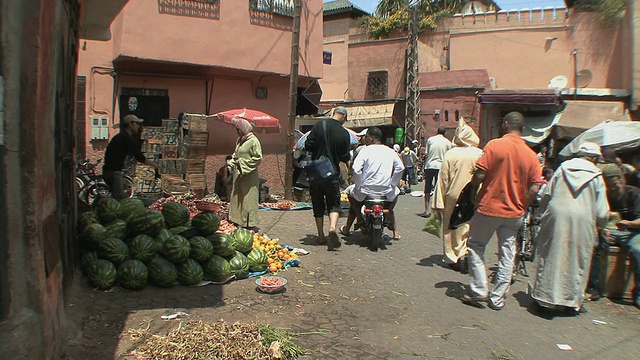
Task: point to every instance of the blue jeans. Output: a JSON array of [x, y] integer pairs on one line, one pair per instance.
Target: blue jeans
[[630, 241]]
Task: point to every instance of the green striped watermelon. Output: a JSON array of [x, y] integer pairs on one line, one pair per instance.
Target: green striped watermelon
[[217, 269], [148, 222], [239, 265], [160, 239], [201, 248], [222, 244], [114, 250], [108, 210], [176, 249], [130, 206], [87, 218], [179, 229], [206, 222], [87, 259], [102, 274], [162, 273], [243, 239], [257, 260], [92, 236], [133, 274], [175, 214], [189, 272], [117, 229], [143, 248]]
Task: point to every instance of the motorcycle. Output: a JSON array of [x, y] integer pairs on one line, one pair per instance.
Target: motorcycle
[[373, 212]]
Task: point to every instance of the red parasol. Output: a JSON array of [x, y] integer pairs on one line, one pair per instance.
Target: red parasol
[[255, 117]]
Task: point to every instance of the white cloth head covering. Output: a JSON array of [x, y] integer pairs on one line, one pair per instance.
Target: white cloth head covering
[[465, 136], [396, 147], [589, 148]]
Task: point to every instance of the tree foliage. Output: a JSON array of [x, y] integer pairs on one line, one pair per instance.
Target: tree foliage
[[392, 15], [610, 12]]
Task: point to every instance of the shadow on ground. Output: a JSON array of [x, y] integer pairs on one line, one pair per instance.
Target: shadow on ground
[[455, 289]]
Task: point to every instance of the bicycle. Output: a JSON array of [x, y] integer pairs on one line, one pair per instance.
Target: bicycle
[[526, 237], [91, 187]]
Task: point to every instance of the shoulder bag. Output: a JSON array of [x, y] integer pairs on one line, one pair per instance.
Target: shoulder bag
[[321, 169]]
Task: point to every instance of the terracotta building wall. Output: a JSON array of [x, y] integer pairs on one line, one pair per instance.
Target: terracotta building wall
[[448, 102]]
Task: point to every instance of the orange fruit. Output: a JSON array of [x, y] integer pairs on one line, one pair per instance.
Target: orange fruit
[[285, 250], [273, 268], [279, 265], [270, 261]]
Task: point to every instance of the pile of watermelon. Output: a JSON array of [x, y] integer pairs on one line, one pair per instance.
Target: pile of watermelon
[[124, 243]]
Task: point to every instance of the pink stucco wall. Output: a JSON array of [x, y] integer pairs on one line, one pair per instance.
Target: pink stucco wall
[[520, 55]]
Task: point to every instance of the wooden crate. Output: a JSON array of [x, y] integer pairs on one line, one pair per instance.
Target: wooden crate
[[170, 138], [170, 151], [145, 172], [187, 151], [152, 156], [616, 273], [195, 123], [195, 166], [197, 181], [170, 125], [172, 166], [146, 185], [197, 139], [174, 184], [152, 146], [152, 133]]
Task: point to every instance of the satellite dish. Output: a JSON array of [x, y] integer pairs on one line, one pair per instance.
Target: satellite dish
[[558, 82], [584, 77]]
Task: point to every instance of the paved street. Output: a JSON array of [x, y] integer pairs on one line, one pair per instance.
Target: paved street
[[398, 303]]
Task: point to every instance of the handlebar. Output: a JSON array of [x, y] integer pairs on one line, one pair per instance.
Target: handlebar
[[85, 164]]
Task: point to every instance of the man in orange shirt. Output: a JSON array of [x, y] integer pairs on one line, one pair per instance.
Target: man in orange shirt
[[509, 172]]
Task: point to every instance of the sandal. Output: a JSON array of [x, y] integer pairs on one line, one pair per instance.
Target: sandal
[[344, 231]]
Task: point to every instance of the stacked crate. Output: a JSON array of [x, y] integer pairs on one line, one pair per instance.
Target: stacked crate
[[193, 149], [145, 180]]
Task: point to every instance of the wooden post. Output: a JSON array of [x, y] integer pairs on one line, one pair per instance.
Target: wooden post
[[293, 98]]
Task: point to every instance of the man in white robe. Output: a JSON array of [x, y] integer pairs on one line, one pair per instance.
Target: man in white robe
[[572, 206]]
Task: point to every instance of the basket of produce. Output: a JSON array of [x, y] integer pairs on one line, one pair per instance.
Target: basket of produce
[[271, 284], [208, 206]]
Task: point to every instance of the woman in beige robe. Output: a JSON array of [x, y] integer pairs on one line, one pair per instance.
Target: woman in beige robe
[[456, 172], [243, 204]]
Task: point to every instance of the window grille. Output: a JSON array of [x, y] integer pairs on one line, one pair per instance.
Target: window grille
[[280, 7], [377, 83]]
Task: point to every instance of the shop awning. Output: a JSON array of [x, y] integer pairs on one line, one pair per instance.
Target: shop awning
[[370, 115], [538, 129], [520, 98], [579, 116]]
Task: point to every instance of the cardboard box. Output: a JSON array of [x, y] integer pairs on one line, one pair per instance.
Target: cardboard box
[[616, 273], [195, 123], [145, 172], [197, 139], [197, 181], [169, 138], [170, 125], [170, 151], [152, 133], [187, 151], [195, 166]]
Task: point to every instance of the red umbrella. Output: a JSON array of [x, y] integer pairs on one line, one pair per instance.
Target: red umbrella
[[255, 117]]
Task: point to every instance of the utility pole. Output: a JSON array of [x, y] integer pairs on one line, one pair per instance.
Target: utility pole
[[412, 113], [293, 98]]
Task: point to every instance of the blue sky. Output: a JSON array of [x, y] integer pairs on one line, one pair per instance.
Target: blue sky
[[370, 5]]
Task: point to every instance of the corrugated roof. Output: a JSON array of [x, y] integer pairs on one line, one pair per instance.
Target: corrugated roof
[[337, 5]]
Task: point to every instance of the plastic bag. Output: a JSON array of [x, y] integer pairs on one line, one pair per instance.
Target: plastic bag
[[434, 224]]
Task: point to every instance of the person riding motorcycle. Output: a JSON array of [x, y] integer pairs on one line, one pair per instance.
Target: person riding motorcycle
[[377, 170]]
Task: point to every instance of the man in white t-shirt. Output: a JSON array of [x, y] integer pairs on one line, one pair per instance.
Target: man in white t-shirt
[[377, 170], [436, 147]]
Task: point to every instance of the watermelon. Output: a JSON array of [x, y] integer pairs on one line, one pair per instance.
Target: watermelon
[[184, 230], [176, 249], [243, 239], [87, 218], [102, 274], [93, 235], [257, 260], [162, 273], [217, 269], [133, 274], [222, 244], [108, 210], [189, 272], [239, 265], [114, 250], [130, 206], [117, 229], [148, 222], [201, 248], [175, 214], [87, 259], [160, 239], [206, 222], [143, 248]]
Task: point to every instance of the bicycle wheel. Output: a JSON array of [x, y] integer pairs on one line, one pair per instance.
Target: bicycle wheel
[[127, 185], [95, 193]]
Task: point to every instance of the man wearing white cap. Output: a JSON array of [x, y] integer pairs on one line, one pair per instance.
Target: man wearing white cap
[[121, 145], [573, 204]]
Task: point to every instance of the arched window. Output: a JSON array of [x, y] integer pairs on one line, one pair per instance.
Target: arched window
[[446, 115]]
